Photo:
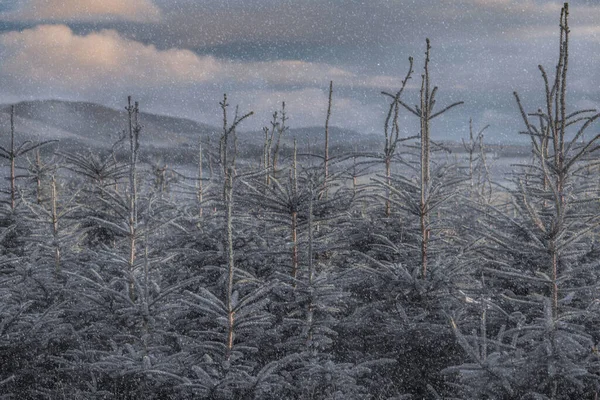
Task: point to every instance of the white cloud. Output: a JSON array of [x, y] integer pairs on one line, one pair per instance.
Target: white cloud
[[53, 61], [54, 56], [518, 5], [87, 10], [493, 3]]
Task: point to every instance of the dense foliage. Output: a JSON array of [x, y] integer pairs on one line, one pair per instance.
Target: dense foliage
[[400, 275]]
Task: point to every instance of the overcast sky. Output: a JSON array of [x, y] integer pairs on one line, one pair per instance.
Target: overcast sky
[[178, 57]]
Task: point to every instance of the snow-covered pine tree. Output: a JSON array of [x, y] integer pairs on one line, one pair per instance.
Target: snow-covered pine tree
[[539, 261]]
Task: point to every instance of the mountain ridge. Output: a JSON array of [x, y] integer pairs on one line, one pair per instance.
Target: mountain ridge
[[87, 126]]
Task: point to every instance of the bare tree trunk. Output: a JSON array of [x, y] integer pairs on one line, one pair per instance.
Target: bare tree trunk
[[210, 162], [200, 179], [484, 331], [425, 162], [13, 187], [294, 184], [146, 283], [280, 130], [228, 163], [134, 131], [55, 225], [560, 153], [311, 306], [269, 145], [265, 160], [294, 244], [390, 146], [223, 143], [295, 167], [392, 134], [388, 181], [471, 151], [326, 161], [228, 197], [38, 178], [354, 174], [424, 112]]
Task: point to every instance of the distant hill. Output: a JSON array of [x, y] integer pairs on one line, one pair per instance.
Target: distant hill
[[82, 126], [95, 126]]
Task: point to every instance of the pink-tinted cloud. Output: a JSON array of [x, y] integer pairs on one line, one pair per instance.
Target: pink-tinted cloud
[[88, 10], [53, 55], [56, 57], [53, 61]]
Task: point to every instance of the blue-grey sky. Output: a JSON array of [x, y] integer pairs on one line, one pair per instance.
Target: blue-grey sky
[[178, 57]]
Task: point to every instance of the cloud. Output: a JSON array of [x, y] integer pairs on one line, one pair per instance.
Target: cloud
[[492, 2], [482, 51], [87, 10], [519, 5], [54, 56], [53, 61]]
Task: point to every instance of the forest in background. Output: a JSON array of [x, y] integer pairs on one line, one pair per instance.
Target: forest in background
[[295, 275]]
